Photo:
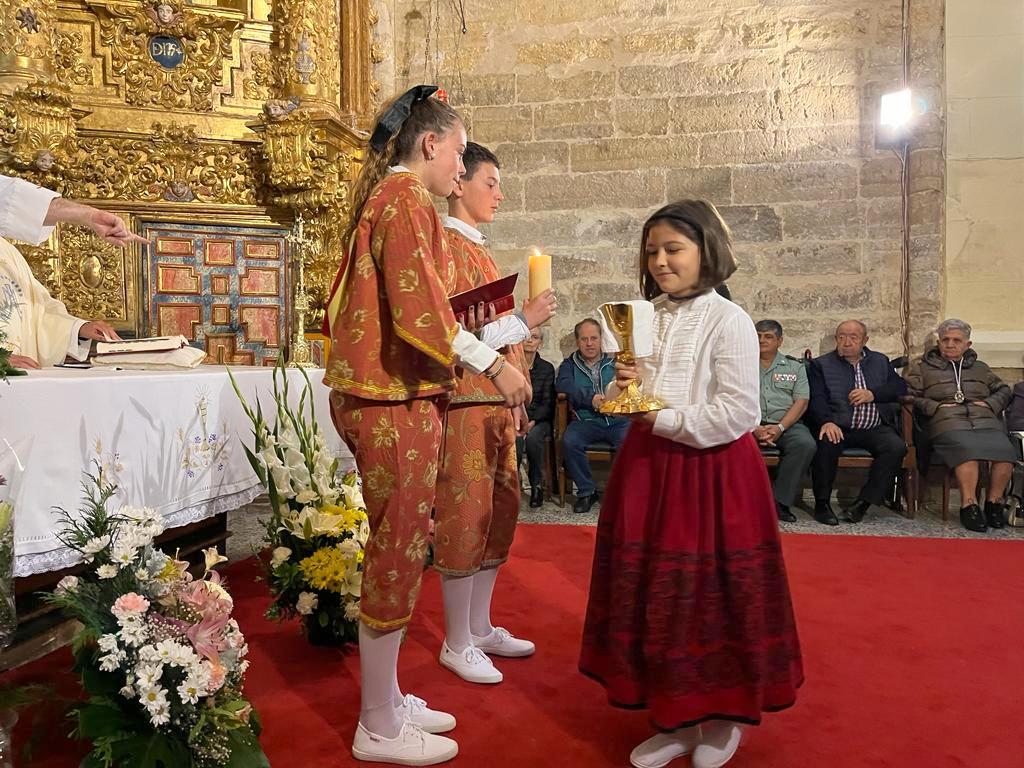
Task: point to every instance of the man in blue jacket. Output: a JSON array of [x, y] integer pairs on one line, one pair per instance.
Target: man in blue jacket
[[583, 377], [855, 404]]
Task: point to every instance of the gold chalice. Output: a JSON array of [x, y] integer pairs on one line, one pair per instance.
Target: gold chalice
[[631, 400]]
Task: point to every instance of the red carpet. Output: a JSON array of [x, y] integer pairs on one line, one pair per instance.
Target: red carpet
[[911, 647]]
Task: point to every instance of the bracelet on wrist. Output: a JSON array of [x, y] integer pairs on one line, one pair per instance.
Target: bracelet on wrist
[[492, 375]]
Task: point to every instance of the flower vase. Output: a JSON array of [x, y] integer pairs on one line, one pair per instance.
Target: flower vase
[[322, 636], [8, 615]]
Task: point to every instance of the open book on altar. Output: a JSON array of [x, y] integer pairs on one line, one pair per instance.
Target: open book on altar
[[154, 354], [135, 346], [498, 293]]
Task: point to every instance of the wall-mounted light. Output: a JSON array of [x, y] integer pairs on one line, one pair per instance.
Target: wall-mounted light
[[895, 119]]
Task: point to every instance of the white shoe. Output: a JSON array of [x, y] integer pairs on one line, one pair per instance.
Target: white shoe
[[472, 664], [501, 642], [416, 711], [412, 746], [662, 748], [718, 743]]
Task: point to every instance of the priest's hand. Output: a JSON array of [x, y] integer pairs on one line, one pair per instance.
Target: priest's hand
[[105, 224], [540, 309], [20, 361], [98, 330]]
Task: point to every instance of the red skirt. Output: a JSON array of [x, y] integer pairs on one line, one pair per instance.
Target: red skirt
[[689, 613]]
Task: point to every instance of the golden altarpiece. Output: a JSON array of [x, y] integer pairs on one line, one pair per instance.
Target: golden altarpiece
[[210, 126]]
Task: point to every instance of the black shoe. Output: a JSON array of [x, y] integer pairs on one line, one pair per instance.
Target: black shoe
[[784, 514], [584, 503], [823, 514], [856, 511], [973, 519], [995, 514], [536, 497]]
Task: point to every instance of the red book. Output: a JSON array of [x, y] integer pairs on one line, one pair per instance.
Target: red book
[[498, 293]]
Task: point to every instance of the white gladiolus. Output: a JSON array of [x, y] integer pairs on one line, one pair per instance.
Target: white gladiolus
[[279, 556], [306, 603]]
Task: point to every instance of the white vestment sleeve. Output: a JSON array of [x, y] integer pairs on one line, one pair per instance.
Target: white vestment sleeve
[[23, 208]]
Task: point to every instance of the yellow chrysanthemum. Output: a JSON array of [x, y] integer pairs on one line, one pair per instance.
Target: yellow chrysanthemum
[[326, 569]]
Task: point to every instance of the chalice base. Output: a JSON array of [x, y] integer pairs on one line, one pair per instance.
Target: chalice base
[[631, 400]]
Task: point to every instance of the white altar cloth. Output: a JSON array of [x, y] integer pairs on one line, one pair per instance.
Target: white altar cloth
[[170, 441]]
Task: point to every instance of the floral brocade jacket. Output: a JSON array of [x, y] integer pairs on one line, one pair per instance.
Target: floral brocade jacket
[[474, 267], [391, 338]]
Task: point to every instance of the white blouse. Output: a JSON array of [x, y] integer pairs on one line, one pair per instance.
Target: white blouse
[[705, 369]]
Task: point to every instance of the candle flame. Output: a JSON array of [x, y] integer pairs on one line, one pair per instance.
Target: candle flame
[[535, 251]]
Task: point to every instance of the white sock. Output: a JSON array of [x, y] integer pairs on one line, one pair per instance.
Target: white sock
[[396, 690], [458, 594], [480, 607], [378, 667]]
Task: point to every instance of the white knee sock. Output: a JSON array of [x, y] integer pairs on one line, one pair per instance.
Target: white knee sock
[[378, 666], [480, 607], [458, 594]]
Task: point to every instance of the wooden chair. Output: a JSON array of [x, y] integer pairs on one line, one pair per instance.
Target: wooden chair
[[598, 451]]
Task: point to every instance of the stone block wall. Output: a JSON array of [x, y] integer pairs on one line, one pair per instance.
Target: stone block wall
[[603, 110]]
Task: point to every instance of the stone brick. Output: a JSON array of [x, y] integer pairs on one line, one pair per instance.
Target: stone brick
[[587, 297], [698, 78], [567, 264], [927, 169], [835, 68], [880, 177], [572, 50], [814, 259], [726, 112], [624, 189], [676, 40], [544, 13], [584, 85], [813, 105], [527, 230], [642, 117], [493, 125], [881, 217], [828, 142], [752, 223], [610, 227], [574, 119], [831, 221], [476, 90], [760, 34], [534, 156], [512, 187], [846, 31], [926, 212], [838, 297], [796, 182], [646, 80], [743, 148], [626, 154], [714, 184]]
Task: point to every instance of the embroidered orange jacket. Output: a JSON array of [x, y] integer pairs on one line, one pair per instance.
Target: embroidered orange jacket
[[391, 324], [474, 266]]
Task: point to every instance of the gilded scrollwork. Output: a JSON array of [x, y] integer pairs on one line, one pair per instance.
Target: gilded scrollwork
[[26, 31], [45, 265], [67, 59], [308, 59], [38, 133], [259, 81], [93, 275], [172, 164], [164, 53]]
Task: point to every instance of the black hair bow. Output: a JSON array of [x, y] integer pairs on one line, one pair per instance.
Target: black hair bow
[[391, 122]]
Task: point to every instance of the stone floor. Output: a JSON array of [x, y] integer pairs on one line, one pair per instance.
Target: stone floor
[[246, 531]]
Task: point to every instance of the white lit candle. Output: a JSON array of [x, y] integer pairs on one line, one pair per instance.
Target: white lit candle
[[539, 272]]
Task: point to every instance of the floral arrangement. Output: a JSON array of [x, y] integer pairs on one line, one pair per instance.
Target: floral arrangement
[[6, 369], [8, 616], [317, 528], [160, 657]]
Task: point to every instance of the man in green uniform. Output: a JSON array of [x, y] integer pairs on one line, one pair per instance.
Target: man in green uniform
[[784, 397]]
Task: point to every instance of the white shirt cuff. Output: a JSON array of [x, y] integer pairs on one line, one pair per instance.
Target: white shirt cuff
[[23, 209], [665, 423], [504, 331], [78, 349], [473, 354]]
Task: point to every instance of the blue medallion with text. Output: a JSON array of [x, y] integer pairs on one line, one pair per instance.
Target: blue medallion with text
[[166, 51]]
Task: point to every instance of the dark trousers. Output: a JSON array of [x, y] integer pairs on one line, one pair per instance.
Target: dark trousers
[[578, 436], [533, 446], [796, 451], [886, 448]]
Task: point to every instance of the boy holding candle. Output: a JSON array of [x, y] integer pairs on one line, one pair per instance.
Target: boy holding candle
[[478, 490]]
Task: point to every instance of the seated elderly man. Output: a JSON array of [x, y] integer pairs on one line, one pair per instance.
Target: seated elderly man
[[854, 403], [962, 402], [39, 330]]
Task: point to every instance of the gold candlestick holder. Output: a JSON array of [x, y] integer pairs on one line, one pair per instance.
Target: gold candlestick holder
[[631, 400], [299, 355]]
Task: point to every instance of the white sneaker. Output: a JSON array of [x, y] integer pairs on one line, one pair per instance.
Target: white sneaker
[[472, 664], [501, 642], [416, 711], [413, 746], [718, 743], [663, 748]]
